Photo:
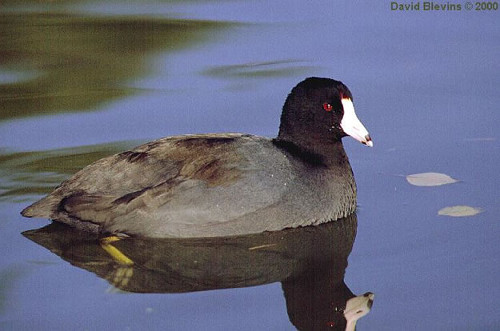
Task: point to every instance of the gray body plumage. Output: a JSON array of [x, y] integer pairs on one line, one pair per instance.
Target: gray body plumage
[[204, 185]]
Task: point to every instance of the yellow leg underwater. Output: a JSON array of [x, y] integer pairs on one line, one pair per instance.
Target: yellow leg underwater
[[123, 273], [114, 252]]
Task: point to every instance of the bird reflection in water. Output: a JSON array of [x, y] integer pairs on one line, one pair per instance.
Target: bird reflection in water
[[309, 262]]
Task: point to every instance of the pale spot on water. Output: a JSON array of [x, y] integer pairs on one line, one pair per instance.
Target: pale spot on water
[[459, 211], [430, 179]]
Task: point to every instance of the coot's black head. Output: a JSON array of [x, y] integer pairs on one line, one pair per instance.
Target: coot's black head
[[320, 110]]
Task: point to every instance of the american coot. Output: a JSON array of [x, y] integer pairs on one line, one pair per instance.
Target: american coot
[[223, 184]]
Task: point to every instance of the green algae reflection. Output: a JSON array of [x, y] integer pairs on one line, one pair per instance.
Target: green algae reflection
[[52, 63], [25, 174]]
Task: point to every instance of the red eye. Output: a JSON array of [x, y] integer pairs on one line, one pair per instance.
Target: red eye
[[327, 107]]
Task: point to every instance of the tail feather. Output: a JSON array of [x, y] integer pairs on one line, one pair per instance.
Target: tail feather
[[52, 207], [43, 208]]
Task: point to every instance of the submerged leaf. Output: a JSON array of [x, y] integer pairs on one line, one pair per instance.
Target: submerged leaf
[[430, 179], [459, 211]]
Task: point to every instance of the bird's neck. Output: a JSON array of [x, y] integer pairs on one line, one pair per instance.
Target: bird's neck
[[314, 151]]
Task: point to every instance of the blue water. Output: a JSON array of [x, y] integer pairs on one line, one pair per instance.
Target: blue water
[[425, 85]]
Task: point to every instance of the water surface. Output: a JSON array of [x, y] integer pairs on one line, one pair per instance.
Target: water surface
[[81, 79]]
